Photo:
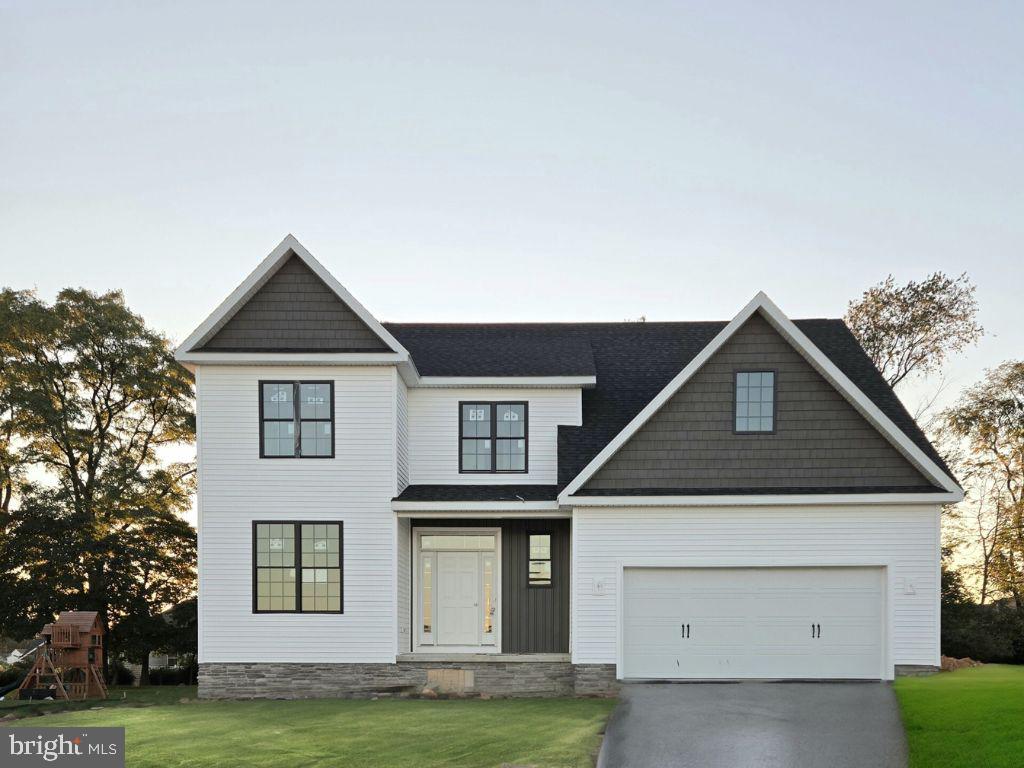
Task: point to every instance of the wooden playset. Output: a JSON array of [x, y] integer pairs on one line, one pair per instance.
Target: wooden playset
[[70, 664]]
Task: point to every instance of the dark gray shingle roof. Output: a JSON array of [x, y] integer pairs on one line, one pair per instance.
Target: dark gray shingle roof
[[632, 363]]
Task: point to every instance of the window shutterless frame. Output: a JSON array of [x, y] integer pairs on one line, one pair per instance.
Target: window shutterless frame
[[298, 564], [493, 405], [775, 401], [550, 560], [296, 418]]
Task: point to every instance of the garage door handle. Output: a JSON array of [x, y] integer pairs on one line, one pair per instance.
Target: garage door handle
[[819, 630], [684, 631]]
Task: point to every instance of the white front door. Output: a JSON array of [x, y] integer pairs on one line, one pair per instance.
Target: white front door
[[458, 598], [753, 622]]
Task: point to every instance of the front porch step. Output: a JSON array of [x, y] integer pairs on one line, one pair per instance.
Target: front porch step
[[494, 658]]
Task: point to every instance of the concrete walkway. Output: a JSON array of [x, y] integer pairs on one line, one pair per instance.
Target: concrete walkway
[[752, 724]]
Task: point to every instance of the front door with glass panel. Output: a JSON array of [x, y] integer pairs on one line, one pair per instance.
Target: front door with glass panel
[[457, 589]]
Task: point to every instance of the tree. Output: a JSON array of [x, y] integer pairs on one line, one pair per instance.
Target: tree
[[989, 418], [915, 327], [96, 396]]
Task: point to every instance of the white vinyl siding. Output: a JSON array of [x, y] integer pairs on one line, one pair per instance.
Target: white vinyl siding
[[404, 584], [434, 433], [356, 487], [905, 539]]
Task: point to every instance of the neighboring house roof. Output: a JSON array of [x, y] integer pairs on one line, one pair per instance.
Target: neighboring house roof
[[479, 493], [26, 649]]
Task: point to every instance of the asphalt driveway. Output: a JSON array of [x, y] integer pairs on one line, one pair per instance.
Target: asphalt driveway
[[751, 724]]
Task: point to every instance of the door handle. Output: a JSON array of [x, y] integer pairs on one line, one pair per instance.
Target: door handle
[[812, 630], [684, 631], [687, 631], [819, 631]]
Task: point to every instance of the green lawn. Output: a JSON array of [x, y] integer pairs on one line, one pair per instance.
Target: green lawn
[[972, 718], [329, 733]]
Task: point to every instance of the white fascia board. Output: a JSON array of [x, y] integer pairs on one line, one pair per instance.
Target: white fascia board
[[255, 281], [291, 358], [813, 355], [505, 507], [538, 382], [767, 500]]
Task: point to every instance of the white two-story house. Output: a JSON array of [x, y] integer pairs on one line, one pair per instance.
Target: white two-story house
[[549, 508]]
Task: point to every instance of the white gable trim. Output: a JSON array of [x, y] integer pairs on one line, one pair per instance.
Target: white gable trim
[[256, 280], [766, 500], [814, 356]]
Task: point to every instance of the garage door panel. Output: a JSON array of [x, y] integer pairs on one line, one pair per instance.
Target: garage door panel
[[752, 622]]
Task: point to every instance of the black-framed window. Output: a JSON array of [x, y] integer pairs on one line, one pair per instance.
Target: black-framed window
[[539, 571], [493, 437], [296, 419], [755, 401], [297, 566]]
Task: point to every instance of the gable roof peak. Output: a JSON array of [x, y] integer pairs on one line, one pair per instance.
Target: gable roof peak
[[288, 248], [818, 360]]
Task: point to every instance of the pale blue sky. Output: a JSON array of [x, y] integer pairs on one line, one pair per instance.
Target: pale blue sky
[[517, 161]]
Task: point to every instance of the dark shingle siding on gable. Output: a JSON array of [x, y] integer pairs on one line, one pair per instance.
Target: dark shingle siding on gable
[[294, 311], [820, 440]]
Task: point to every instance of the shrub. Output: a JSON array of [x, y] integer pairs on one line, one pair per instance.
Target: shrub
[[992, 633]]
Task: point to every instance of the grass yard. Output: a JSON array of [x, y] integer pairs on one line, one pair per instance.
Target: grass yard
[[971, 718], [329, 733]]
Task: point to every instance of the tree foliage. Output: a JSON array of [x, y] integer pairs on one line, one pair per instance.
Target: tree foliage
[[915, 327], [989, 419], [89, 398]]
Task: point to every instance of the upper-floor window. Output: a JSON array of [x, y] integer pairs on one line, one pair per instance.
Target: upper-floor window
[[492, 437], [755, 401], [296, 419], [297, 567]]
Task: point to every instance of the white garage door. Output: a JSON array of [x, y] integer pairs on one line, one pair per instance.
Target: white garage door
[[708, 623]]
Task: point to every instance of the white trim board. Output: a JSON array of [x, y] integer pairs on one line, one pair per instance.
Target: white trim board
[[814, 356], [556, 382], [511, 508], [766, 500], [257, 278]]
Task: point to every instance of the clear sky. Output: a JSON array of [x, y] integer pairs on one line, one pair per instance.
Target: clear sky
[[518, 161]]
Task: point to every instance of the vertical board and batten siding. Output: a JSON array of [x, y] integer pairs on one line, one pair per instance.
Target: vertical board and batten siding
[[904, 537], [356, 487], [533, 619], [434, 433], [819, 439]]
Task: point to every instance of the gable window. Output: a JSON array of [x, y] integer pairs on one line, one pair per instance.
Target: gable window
[[296, 567], [755, 401], [296, 419], [540, 559], [493, 437]]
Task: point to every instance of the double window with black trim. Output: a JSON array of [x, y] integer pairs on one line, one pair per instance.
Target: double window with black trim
[[297, 567], [493, 437], [296, 419]]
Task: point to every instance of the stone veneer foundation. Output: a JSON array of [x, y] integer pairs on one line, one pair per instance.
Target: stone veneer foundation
[[233, 680]]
